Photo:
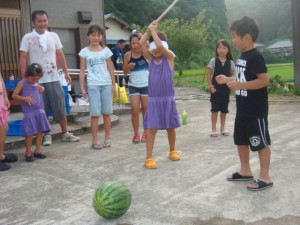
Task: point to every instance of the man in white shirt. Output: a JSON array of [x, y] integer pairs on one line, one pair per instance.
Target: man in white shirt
[[44, 47]]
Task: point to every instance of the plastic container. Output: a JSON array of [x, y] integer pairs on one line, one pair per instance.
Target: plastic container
[[11, 84], [15, 128], [184, 117]]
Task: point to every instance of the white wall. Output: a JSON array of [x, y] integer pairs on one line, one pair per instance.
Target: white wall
[[115, 32]]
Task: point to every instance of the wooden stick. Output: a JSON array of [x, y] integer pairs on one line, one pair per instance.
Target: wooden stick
[[166, 11]]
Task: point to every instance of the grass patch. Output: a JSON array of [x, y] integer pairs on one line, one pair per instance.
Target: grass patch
[[195, 77], [284, 70]]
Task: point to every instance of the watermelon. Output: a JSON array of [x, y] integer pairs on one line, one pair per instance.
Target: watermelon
[[112, 199]]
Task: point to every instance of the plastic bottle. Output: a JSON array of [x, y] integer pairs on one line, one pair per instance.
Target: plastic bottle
[[184, 117]]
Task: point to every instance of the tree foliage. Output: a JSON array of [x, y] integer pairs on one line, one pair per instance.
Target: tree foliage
[[273, 16], [139, 13], [186, 38], [142, 12]]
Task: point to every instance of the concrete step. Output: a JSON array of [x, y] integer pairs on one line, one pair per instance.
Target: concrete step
[[78, 124]]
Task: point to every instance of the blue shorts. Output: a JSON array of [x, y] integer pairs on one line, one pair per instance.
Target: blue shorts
[[100, 99], [142, 91]]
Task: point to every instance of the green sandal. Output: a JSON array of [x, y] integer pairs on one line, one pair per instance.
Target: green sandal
[[106, 144], [97, 146]]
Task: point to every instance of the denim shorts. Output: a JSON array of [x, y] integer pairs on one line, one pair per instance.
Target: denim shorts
[[100, 99], [142, 91]]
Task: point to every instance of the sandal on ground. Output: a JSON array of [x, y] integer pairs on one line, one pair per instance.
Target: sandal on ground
[[29, 158], [225, 133], [39, 155], [97, 146], [9, 158], [260, 185], [136, 139], [214, 134], [238, 177], [174, 155], [106, 144], [144, 138], [150, 163], [4, 166]]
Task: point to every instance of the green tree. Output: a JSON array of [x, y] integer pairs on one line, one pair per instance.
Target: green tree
[[186, 38], [274, 17], [139, 12]]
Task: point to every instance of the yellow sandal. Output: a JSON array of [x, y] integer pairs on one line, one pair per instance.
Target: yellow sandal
[[174, 155], [150, 163]]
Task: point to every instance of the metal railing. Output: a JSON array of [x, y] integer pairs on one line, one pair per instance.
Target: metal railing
[[76, 72]]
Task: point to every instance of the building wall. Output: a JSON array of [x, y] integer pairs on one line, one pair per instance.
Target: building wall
[[63, 14], [115, 32], [63, 17]]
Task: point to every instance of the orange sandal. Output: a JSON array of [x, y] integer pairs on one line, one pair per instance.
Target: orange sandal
[[174, 155], [150, 163]]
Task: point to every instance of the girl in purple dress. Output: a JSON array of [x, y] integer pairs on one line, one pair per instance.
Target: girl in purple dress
[[161, 113], [35, 121], [4, 118]]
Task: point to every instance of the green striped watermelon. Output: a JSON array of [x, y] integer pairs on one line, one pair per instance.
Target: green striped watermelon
[[112, 199]]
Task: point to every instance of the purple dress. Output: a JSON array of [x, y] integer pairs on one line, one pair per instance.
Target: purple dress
[[161, 112], [35, 119], [4, 113]]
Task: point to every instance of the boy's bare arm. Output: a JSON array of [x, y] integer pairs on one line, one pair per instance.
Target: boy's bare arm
[[261, 82]]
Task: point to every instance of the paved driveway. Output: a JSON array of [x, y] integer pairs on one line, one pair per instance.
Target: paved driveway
[[192, 191]]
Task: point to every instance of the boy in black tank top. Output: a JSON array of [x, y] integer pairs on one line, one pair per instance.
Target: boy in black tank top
[[251, 123]]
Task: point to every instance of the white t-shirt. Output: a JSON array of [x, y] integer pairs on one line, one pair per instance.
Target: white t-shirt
[[35, 54], [96, 65]]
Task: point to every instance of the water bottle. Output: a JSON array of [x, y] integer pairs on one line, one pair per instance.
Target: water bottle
[[184, 117]]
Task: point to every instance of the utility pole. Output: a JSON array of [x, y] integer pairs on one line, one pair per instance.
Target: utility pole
[[296, 41]]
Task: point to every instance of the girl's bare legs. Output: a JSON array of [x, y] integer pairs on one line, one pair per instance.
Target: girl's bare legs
[[94, 128], [38, 142], [28, 144], [135, 112], [214, 118], [151, 133], [172, 138], [144, 102], [3, 131], [107, 126], [222, 119], [173, 155]]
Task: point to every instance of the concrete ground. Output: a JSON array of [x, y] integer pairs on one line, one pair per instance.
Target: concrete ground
[[192, 191]]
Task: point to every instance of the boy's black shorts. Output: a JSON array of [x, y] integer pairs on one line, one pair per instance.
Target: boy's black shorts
[[253, 132], [219, 107]]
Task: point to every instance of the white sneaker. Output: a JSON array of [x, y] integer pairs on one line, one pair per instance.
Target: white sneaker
[[69, 137], [47, 140]]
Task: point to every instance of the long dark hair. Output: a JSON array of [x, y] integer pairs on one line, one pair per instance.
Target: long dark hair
[[229, 55], [94, 28], [162, 36]]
